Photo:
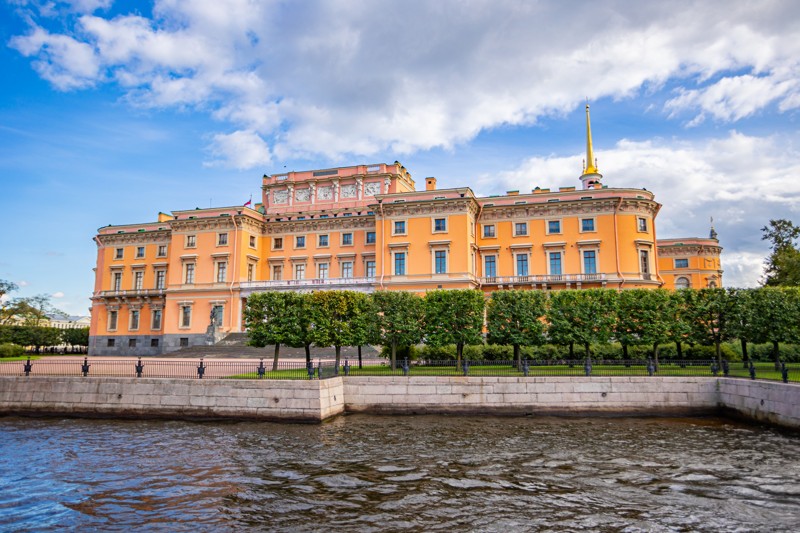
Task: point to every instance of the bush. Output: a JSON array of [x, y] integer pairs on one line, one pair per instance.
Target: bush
[[8, 349], [403, 352], [699, 351]]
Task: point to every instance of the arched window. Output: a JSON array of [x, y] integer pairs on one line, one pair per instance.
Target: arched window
[[682, 283], [712, 284]]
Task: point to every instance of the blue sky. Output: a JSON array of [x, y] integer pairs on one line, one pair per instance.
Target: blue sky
[[113, 111]]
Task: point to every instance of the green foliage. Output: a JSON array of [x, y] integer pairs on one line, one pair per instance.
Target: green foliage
[[582, 317], [516, 318], [8, 349], [398, 320], [335, 318], [782, 267], [454, 317], [75, 336], [710, 313]]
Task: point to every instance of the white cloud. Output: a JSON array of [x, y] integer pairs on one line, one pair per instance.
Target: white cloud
[[23, 283], [353, 77], [58, 294], [240, 149]]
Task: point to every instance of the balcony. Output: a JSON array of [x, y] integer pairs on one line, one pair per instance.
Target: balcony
[[542, 278], [357, 284], [133, 293]]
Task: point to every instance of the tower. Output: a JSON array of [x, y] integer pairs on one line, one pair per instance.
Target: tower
[[590, 176]]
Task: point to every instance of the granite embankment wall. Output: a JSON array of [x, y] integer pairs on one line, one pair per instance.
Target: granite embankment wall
[[317, 400]]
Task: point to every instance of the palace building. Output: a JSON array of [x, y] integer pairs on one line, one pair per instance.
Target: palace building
[[183, 279]]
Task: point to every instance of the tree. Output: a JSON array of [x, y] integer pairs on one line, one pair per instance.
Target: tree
[[41, 337], [782, 267], [363, 324], [644, 317], [743, 319], [680, 326], [776, 317], [454, 317], [75, 336], [398, 319], [710, 312], [516, 317], [272, 317], [582, 316], [334, 317]]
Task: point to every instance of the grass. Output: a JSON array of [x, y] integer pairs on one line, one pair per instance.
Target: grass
[[21, 358]]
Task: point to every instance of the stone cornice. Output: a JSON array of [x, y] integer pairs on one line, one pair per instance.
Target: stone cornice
[[576, 208], [319, 224], [687, 250], [430, 207], [188, 225], [144, 237]]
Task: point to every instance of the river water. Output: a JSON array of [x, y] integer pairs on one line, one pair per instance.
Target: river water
[[381, 473]]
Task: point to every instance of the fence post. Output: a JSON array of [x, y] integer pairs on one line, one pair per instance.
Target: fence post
[[261, 370], [27, 367], [139, 368], [752, 371], [587, 367], [201, 370], [85, 367], [784, 372]]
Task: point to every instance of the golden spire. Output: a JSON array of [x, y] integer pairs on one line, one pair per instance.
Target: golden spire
[[591, 162]]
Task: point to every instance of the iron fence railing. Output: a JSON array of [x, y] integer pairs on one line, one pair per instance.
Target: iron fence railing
[[324, 369]]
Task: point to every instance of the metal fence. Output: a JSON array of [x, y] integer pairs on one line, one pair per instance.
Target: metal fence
[[262, 369]]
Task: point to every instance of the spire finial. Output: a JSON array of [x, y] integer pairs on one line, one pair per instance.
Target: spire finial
[[591, 162], [713, 233]]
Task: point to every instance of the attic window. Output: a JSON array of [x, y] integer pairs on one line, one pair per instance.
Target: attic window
[[141, 230], [488, 205], [523, 202], [586, 197], [554, 200], [438, 197], [323, 216], [347, 214], [398, 201]]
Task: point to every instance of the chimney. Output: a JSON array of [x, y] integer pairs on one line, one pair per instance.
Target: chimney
[[430, 184], [512, 193]]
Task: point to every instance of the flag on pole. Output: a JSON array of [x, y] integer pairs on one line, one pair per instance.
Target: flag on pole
[[249, 202]]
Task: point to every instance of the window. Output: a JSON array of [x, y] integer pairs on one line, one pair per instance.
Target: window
[[138, 280], [590, 262], [139, 252], [183, 342], [681, 263], [522, 264], [489, 232], [587, 224], [439, 225], [222, 270], [186, 316], [555, 263], [131, 343], [300, 271], [112, 320], [277, 272], [370, 237], [369, 268], [110, 343], [162, 250], [191, 241], [118, 253], [156, 321], [322, 241], [553, 226], [188, 277], [322, 271], [216, 315], [154, 343], [277, 243], [250, 270], [440, 262], [222, 239], [400, 264], [134, 319], [300, 241], [520, 228], [117, 281], [347, 239], [161, 276], [252, 241], [490, 266], [682, 283], [642, 224], [644, 257], [399, 227], [347, 269]]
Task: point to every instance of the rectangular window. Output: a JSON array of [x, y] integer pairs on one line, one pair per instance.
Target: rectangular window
[[222, 270], [589, 262], [681, 263], [440, 225], [118, 253], [520, 228], [138, 280], [161, 276], [154, 343], [252, 241], [370, 269], [489, 232], [399, 227], [134, 319], [347, 269], [222, 239], [277, 272], [131, 343], [490, 266], [300, 241], [322, 271], [587, 224], [522, 264], [347, 239], [645, 261], [112, 320], [216, 315], [162, 250], [553, 226], [300, 271], [399, 264], [277, 243], [110, 343], [156, 322], [183, 342], [191, 241], [189, 273], [186, 316], [117, 281], [440, 262], [642, 224], [555, 263], [370, 237], [251, 268], [139, 252], [322, 241]]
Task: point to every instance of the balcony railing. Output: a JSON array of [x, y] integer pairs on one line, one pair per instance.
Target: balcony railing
[[307, 283], [133, 293], [542, 278]]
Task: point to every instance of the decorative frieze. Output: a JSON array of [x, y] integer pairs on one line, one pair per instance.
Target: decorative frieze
[[144, 237], [320, 224]]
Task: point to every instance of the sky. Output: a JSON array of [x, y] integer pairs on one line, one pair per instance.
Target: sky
[[113, 111]]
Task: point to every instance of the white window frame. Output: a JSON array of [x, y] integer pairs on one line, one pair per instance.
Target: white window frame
[[161, 251], [327, 238], [189, 266], [134, 313], [446, 260], [516, 265], [221, 267], [446, 225], [222, 236], [561, 262], [343, 269], [496, 265], [675, 262], [323, 270], [277, 247], [594, 225], [119, 253], [527, 229], [276, 269], [583, 260], [138, 279], [299, 267], [639, 221], [191, 241], [253, 242], [405, 227], [143, 249], [560, 226], [352, 239], [181, 323], [366, 237], [296, 242], [115, 314], [153, 319], [483, 231], [405, 262]]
